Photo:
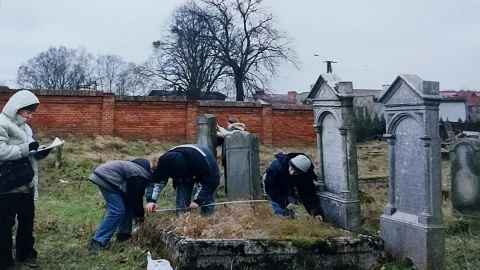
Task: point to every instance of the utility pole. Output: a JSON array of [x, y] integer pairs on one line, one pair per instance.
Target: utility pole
[[329, 62], [329, 65]]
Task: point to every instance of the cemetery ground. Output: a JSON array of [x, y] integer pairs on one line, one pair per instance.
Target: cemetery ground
[[70, 209]]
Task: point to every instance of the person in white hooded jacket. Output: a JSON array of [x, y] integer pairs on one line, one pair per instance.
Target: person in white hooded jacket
[[16, 142]]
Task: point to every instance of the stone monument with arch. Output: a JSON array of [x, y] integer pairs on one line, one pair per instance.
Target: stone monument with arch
[[337, 151], [412, 225]]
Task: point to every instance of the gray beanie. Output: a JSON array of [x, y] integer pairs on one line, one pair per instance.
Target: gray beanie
[[301, 163]]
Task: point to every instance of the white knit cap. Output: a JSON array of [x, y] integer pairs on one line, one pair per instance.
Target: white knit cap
[[300, 163]]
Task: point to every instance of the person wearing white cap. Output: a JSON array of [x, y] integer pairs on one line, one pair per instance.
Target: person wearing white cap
[[287, 173]]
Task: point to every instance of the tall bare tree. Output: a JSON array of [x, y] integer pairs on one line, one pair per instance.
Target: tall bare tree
[[57, 69], [184, 58], [246, 41], [108, 70], [130, 81]]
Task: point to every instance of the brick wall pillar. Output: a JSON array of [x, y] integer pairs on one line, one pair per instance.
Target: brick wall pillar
[[108, 114], [267, 131], [191, 122]]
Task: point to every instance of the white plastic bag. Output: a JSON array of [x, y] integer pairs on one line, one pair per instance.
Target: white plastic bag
[[157, 264]]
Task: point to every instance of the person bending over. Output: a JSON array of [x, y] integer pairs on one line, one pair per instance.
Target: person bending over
[[186, 165], [287, 173]]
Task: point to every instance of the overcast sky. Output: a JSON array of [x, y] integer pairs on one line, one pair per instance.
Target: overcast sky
[[373, 41]]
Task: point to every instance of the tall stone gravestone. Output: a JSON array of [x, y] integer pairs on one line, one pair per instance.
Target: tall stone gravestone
[[243, 165], [411, 224], [465, 175], [207, 132], [337, 152]]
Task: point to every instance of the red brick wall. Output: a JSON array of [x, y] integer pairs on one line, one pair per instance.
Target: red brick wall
[[91, 113], [292, 124]]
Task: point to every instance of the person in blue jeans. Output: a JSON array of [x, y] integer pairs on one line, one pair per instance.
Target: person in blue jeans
[[122, 184], [186, 165], [287, 174]]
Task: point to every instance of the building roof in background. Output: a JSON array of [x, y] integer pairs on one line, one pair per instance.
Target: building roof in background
[[368, 92], [267, 98], [206, 96], [156, 92], [471, 97]]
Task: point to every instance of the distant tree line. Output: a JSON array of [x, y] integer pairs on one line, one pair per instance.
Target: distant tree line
[[208, 45], [74, 69]]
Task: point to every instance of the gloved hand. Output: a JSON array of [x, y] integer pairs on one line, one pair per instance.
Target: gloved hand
[[44, 153], [290, 206], [33, 146]]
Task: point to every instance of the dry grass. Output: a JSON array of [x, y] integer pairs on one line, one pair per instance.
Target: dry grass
[[70, 208], [257, 221], [372, 158], [246, 221]]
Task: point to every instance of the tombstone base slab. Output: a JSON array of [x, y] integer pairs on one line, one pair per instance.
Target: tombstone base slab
[[342, 213], [359, 252], [423, 244]]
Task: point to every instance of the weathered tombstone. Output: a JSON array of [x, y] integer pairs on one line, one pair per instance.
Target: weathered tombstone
[[243, 165], [465, 175], [207, 132], [337, 152], [411, 224]]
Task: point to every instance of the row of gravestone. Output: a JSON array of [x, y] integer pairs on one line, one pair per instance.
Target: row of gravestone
[[412, 223]]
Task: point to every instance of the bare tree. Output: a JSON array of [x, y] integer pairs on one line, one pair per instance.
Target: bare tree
[[131, 82], [57, 69], [108, 70], [246, 41], [184, 58]]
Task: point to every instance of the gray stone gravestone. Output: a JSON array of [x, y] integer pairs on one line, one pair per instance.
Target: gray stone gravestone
[[207, 132], [337, 152], [243, 166], [465, 175], [412, 225]]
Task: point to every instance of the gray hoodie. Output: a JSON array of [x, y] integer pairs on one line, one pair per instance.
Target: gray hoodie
[[16, 134]]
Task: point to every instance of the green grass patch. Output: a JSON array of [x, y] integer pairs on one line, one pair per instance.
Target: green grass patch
[[71, 208]]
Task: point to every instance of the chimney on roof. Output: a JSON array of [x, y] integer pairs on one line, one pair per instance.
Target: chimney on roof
[[292, 95], [385, 87]]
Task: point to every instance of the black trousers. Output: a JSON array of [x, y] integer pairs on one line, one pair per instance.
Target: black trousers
[[20, 206]]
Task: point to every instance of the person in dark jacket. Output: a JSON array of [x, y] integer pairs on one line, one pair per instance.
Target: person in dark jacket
[[287, 173], [186, 165], [122, 184]]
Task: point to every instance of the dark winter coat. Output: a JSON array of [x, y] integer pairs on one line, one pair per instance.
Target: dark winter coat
[[192, 163], [280, 185], [125, 178]]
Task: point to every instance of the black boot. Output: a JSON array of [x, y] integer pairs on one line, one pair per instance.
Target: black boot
[[95, 246], [122, 237]]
